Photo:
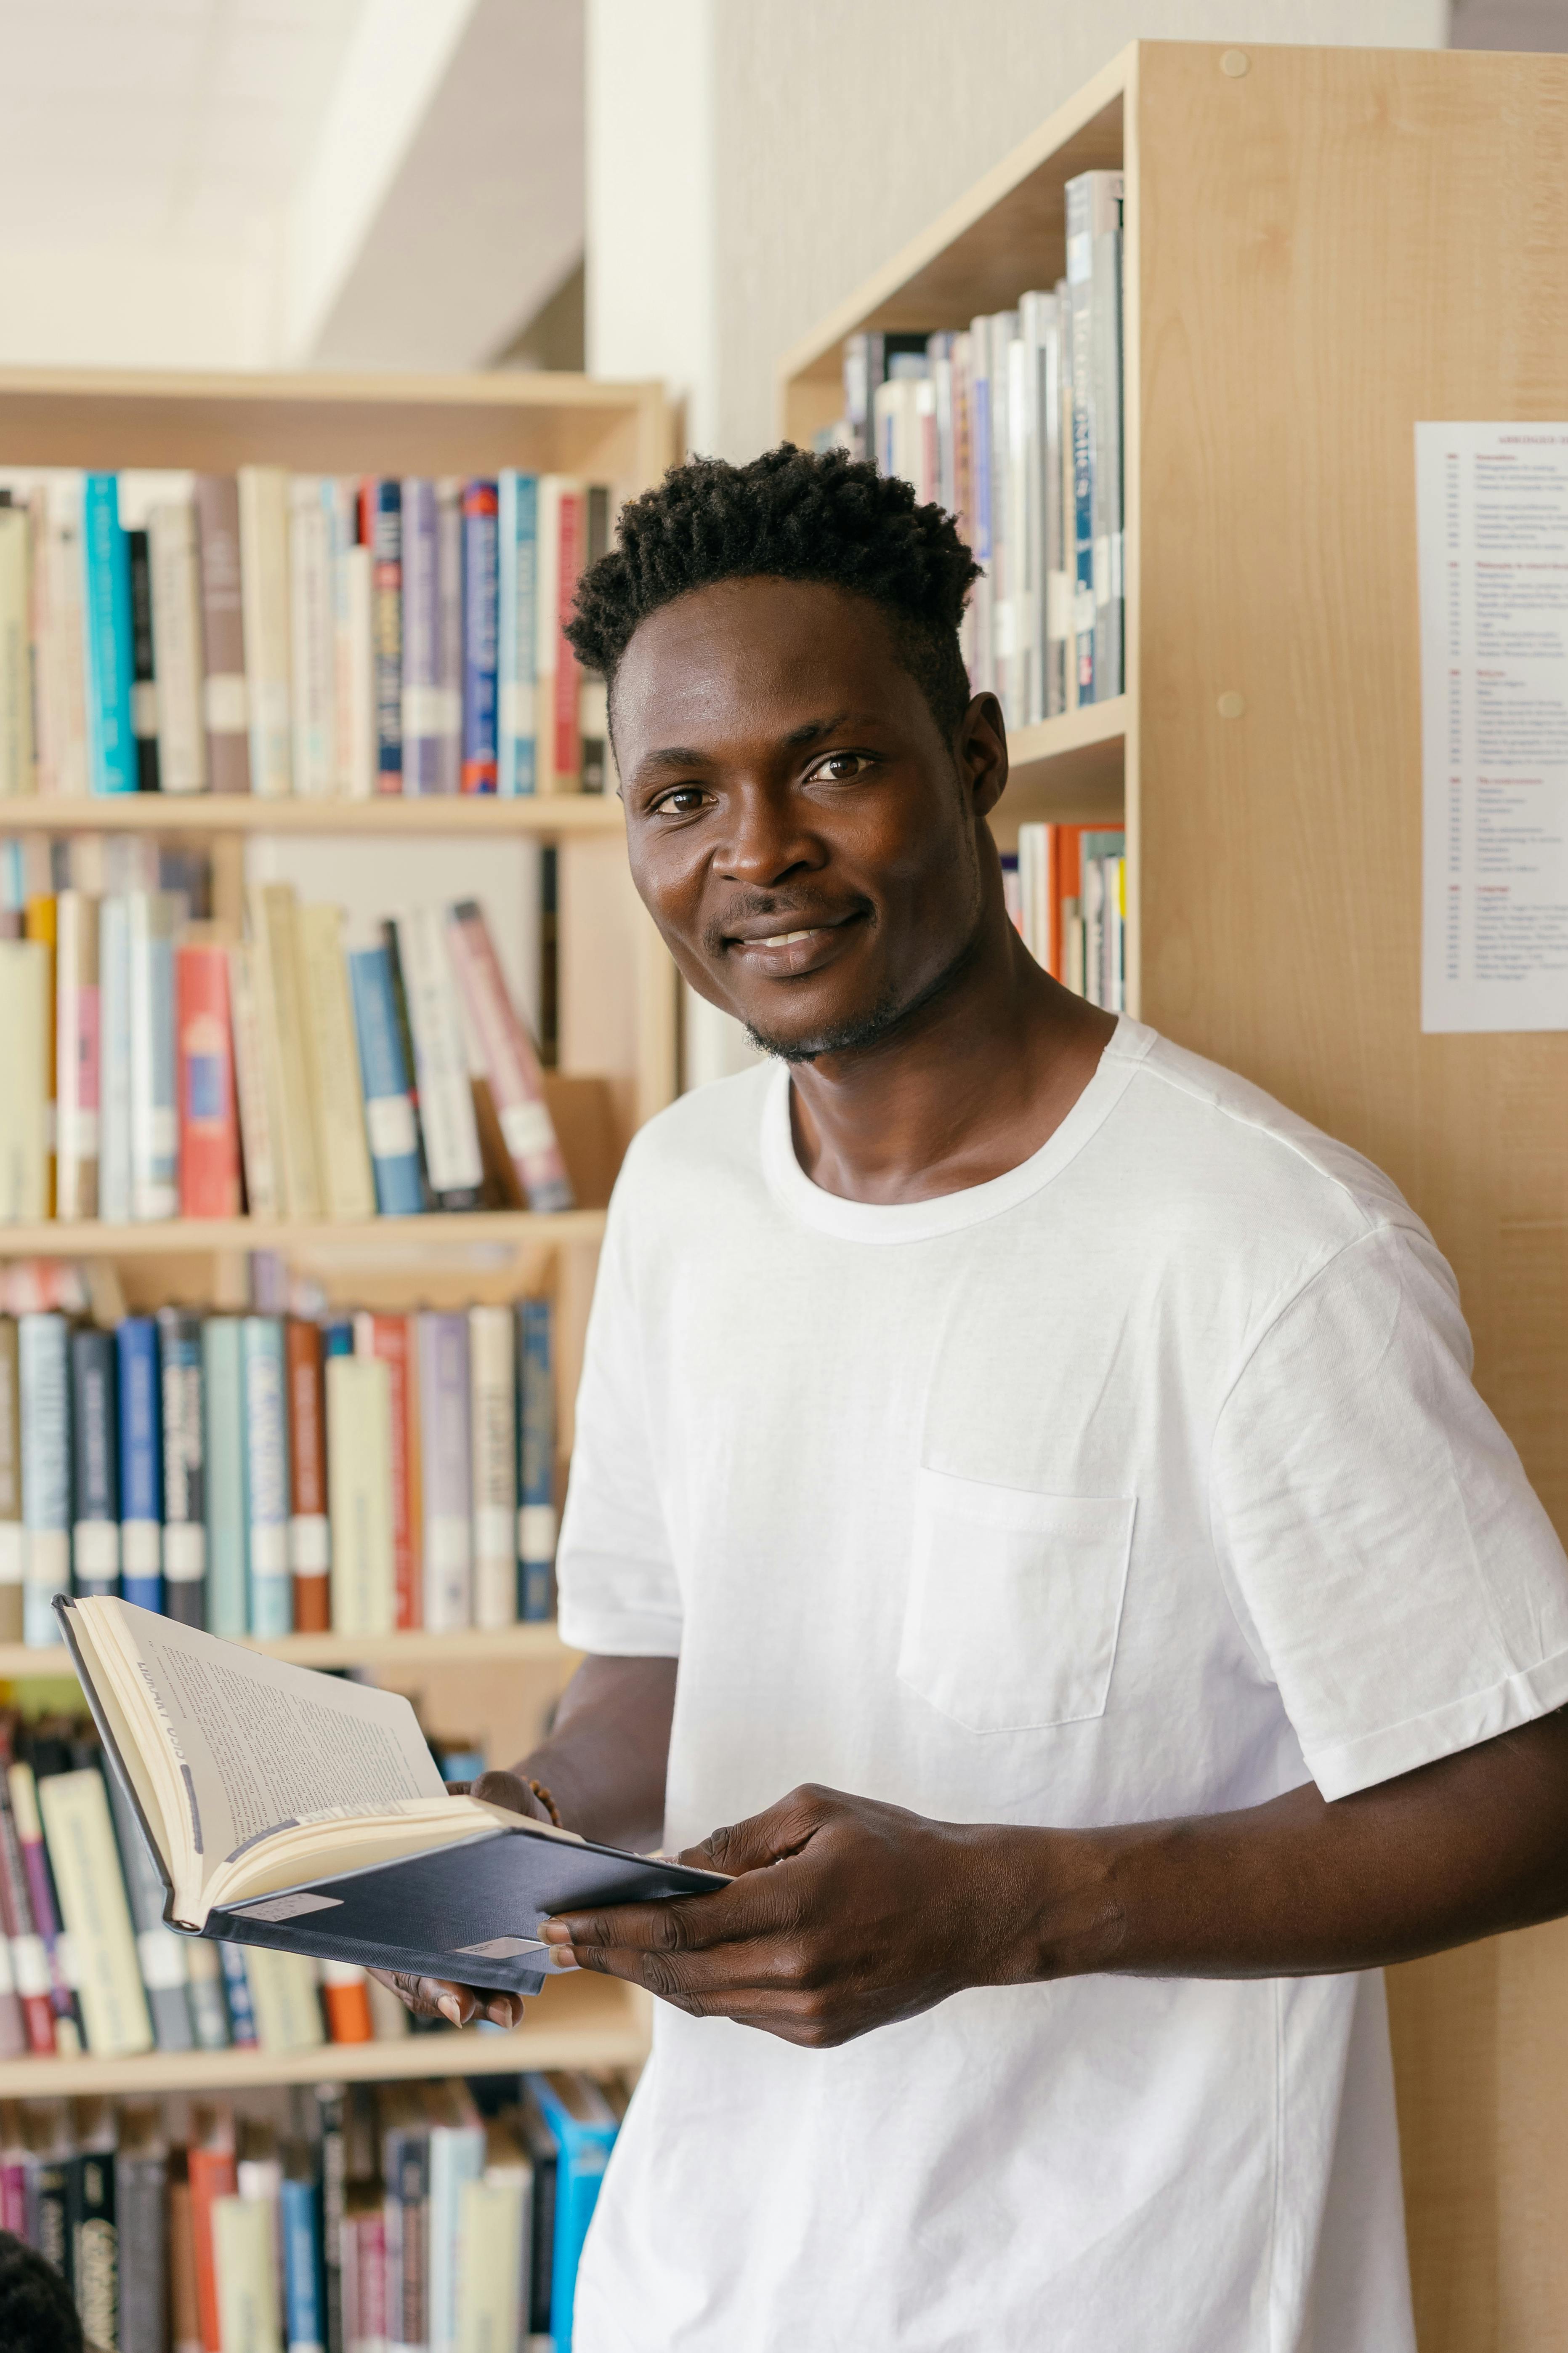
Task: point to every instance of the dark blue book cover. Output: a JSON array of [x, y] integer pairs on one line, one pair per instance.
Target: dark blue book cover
[[141, 1443]]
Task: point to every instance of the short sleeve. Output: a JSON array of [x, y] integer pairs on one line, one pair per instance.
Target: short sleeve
[[1385, 1553], [619, 1593]]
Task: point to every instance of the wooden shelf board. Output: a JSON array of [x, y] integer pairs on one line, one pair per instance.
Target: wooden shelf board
[[577, 2022], [373, 1239], [467, 1646], [448, 815], [1072, 767]]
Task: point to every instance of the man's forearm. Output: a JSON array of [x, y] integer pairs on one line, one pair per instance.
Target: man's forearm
[[604, 1758], [1467, 1847]]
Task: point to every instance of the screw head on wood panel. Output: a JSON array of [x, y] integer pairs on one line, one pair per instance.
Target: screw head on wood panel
[[1231, 705], [1234, 62]]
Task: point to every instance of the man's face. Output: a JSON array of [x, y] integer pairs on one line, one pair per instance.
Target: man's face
[[801, 834]]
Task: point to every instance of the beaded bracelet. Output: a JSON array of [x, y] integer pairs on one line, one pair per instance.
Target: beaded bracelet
[[547, 1802]]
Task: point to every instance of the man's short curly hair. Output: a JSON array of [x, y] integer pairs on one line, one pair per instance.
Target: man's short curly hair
[[36, 2312], [788, 515]]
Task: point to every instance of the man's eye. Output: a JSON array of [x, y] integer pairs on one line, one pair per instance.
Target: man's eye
[[841, 768], [682, 801]]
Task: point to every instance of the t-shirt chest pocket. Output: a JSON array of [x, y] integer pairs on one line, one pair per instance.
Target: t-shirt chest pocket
[[1015, 1602]]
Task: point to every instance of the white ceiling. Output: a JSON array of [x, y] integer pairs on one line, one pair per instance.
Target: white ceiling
[[178, 125]]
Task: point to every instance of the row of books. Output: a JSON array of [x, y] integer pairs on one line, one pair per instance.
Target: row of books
[[1014, 427], [86, 1962], [151, 1067], [442, 2215], [1067, 895], [268, 1474], [311, 634]]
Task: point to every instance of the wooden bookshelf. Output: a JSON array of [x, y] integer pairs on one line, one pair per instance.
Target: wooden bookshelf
[[467, 1646], [579, 2020], [1322, 247], [554, 816], [367, 1238]]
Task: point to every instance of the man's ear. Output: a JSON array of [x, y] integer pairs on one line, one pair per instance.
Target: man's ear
[[981, 749]]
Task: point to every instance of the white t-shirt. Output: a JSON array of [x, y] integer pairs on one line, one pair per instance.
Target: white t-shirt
[[1145, 1480]]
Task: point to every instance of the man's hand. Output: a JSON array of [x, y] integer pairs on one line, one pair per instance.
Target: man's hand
[[847, 1914], [844, 1914], [460, 2004]]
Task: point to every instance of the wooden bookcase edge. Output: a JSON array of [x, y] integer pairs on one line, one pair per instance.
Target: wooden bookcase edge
[[467, 1646]]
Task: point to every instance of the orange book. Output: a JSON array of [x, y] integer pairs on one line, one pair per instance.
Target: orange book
[[211, 2166], [345, 1998], [38, 923], [386, 1339], [1067, 883], [208, 1110], [184, 2304], [309, 1548]]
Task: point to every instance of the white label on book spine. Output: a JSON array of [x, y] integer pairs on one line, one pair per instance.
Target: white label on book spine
[[1058, 606], [96, 1545], [309, 1545], [389, 1123], [145, 708], [49, 1558], [536, 1531], [30, 1964], [161, 1958], [226, 703], [447, 1545], [140, 1547], [185, 1552], [269, 1549], [13, 1552], [66, 1962], [516, 707], [492, 1531], [431, 711], [527, 1129]]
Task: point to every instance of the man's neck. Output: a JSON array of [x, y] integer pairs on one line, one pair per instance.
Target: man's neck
[[971, 1085]]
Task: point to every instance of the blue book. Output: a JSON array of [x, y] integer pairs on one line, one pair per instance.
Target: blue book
[[304, 2286], [535, 1463], [480, 585], [109, 647], [582, 2126], [140, 1464], [517, 628], [422, 713], [43, 1363], [95, 1481], [382, 530], [270, 1579], [236, 1993], [184, 1435], [223, 1416], [338, 1338], [390, 1123]]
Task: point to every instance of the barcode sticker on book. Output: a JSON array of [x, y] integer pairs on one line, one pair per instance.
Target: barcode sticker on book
[[389, 1122]]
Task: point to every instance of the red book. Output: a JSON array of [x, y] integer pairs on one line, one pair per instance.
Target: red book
[[209, 1116], [212, 2177], [310, 1550], [511, 1066], [568, 676], [386, 1339]]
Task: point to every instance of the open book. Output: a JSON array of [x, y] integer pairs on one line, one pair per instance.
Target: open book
[[292, 1808]]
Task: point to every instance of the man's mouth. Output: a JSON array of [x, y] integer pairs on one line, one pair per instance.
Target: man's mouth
[[784, 947]]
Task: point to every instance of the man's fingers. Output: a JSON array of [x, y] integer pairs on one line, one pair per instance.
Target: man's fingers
[[765, 1838], [763, 1903], [458, 2004]]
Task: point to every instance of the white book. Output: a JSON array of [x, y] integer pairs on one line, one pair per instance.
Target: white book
[[23, 1080], [63, 646], [256, 1125], [152, 918], [313, 649], [492, 1421], [15, 651], [359, 1492], [114, 1060], [353, 677], [264, 599], [175, 565], [243, 2272], [440, 1053]]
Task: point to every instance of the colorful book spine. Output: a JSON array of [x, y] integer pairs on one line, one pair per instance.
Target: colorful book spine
[[517, 629], [223, 1454], [385, 1339], [181, 1396], [85, 1861], [44, 1372], [381, 528], [94, 2242], [479, 775], [511, 1066], [593, 693], [212, 2179], [309, 1539], [583, 2124], [557, 709], [305, 2317], [177, 641], [204, 1992], [28, 1953], [333, 1076], [422, 712], [23, 1789], [359, 1491], [141, 2202], [159, 1954], [114, 1063], [492, 1420], [106, 604], [354, 665], [345, 2002], [457, 2159], [76, 1055], [535, 1462], [445, 1469], [406, 2169], [16, 771], [450, 601], [140, 1485], [40, 929], [312, 635], [143, 692], [270, 1600], [62, 666], [26, 1079], [95, 1483], [257, 1143], [445, 1101], [13, 1531], [236, 1996], [225, 692], [390, 1124], [153, 916], [208, 1111]]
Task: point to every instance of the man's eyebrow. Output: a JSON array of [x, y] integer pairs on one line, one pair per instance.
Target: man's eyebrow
[[681, 755]]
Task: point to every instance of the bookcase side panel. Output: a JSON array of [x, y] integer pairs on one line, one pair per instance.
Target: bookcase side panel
[[1332, 245]]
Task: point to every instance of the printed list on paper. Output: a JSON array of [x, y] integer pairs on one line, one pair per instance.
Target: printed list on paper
[[1492, 528]]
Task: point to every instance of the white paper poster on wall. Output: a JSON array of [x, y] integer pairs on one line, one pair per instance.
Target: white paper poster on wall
[[1492, 505]]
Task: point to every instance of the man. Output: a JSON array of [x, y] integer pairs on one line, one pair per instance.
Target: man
[[1105, 1613]]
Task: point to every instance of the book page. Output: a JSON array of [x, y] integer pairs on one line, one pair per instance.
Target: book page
[[1492, 528], [260, 1745]]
